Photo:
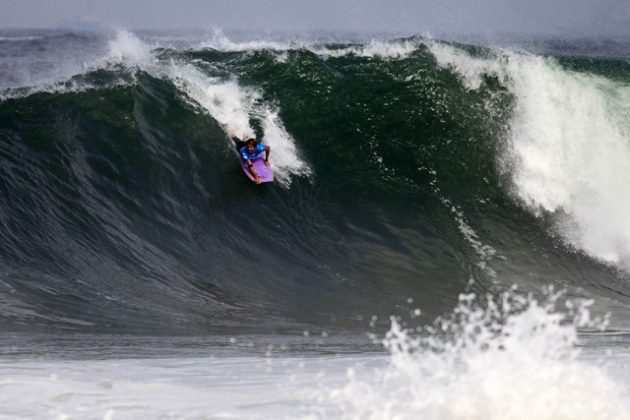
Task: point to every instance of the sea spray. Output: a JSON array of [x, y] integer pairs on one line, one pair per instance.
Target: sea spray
[[504, 357]]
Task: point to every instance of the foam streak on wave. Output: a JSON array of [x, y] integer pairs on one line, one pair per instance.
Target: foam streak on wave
[[569, 145], [225, 100]]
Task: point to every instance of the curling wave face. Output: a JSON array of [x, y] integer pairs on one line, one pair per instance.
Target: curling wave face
[[406, 168]]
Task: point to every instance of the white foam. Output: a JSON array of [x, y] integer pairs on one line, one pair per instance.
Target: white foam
[[226, 101], [232, 106], [389, 49], [285, 155], [511, 358], [200, 387], [219, 41], [126, 48], [373, 48], [569, 145], [470, 69]]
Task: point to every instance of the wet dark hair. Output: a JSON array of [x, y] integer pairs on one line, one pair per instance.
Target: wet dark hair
[[251, 140]]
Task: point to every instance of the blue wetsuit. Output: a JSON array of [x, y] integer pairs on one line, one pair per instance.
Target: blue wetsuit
[[245, 155]]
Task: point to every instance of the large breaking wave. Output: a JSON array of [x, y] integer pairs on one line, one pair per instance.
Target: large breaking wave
[[408, 168]]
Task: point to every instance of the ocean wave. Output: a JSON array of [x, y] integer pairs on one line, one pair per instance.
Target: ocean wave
[[405, 168]]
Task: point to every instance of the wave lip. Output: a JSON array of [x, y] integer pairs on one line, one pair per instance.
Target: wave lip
[[568, 148]]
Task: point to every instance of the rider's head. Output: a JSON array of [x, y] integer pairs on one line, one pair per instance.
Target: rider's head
[[251, 145]]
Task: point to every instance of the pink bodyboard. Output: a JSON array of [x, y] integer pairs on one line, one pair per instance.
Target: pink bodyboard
[[264, 172]]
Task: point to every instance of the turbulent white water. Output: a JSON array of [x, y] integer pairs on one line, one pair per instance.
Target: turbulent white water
[[513, 358], [494, 363], [569, 145]]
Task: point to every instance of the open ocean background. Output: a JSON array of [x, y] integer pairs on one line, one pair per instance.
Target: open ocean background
[[448, 236]]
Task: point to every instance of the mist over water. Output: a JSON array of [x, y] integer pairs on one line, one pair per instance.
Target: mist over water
[[412, 175]]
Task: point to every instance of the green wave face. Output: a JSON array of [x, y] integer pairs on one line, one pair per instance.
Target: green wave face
[[406, 169]]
